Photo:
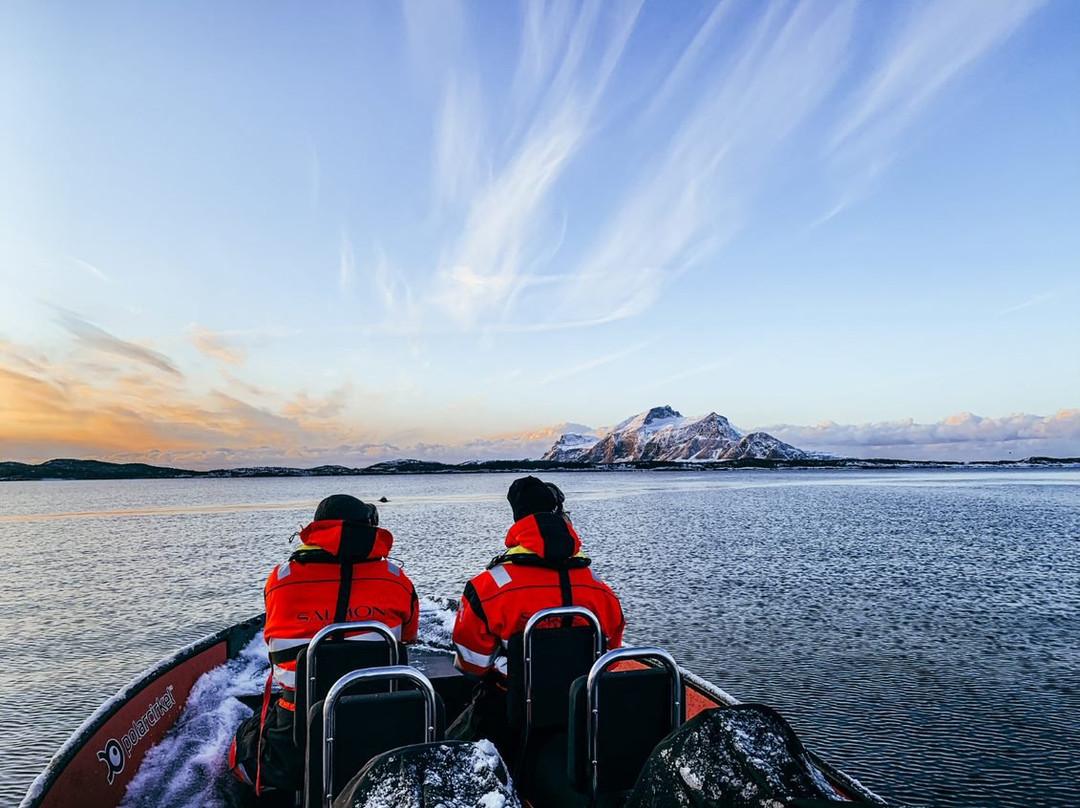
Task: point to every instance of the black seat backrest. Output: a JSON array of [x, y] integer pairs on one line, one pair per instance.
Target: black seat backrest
[[555, 655], [368, 724], [336, 656], [635, 710]]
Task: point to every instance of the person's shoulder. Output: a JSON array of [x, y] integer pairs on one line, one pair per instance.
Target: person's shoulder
[[282, 570], [488, 577], [478, 577], [395, 570], [599, 579]]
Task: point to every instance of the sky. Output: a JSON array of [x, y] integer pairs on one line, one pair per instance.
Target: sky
[[282, 233]]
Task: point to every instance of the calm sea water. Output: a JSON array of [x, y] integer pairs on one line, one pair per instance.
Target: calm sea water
[[920, 629]]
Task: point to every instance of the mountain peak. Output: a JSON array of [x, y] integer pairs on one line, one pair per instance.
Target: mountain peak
[[650, 420], [661, 413], [662, 433]]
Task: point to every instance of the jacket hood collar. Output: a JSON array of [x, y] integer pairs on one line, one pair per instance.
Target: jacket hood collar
[[348, 539], [545, 534]]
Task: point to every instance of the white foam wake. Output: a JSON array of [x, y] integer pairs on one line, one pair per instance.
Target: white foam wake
[[188, 768]]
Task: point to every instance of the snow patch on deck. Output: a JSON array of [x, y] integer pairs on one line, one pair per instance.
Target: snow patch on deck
[[470, 780]]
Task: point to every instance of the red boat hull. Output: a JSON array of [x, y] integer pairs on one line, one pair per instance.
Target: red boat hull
[[93, 769]]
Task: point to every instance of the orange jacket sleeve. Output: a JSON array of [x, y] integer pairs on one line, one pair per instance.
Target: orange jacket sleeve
[[475, 646], [615, 635], [411, 622]]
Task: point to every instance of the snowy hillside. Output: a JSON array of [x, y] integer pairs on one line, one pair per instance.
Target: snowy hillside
[[665, 434]]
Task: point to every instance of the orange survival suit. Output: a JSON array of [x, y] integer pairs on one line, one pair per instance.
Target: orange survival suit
[[340, 574], [543, 567]]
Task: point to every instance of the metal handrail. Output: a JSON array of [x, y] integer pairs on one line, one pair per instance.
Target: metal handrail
[[530, 627], [392, 673], [593, 698], [383, 630]]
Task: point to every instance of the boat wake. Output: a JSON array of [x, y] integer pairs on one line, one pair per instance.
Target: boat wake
[[186, 769], [189, 767], [437, 624]]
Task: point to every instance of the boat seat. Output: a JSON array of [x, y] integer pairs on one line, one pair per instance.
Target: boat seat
[[347, 729], [335, 655], [617, 717], [542, 663]]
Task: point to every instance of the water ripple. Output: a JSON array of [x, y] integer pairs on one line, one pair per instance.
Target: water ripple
[[919, 629]]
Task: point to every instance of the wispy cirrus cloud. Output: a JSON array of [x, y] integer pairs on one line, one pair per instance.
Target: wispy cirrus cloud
[[459, 140], [346, 263], [215, 345], [697, 195], [86, 266], [936, 44], [592, 364], [1027, 304], [394, 292], [692, 56], [567, 61], [718, 124], [691, 373], [101, 340]]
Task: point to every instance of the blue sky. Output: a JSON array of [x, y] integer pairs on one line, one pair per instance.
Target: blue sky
[[279, 232]]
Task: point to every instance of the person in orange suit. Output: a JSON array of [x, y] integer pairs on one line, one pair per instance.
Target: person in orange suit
[[543, 566], [340, 574]]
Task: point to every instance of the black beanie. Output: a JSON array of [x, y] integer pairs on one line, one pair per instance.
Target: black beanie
[[344, 506], [528, 495]]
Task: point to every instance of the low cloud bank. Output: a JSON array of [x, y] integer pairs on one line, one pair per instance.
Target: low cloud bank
[[960, 437], [133, 412]]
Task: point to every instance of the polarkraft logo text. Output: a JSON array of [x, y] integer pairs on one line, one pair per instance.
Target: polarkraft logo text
[[117, 752]]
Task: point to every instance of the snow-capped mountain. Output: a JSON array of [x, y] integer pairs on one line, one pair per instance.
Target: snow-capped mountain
[[664, 434]]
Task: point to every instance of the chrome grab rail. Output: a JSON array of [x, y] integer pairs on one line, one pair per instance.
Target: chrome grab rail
[[593, 695], [383, 630], [530, 628], [392, 673]]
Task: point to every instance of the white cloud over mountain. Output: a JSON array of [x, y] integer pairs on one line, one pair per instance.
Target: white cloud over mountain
[[964, 436], [960, 437]]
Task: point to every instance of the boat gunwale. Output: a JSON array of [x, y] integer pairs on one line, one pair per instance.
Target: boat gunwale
[[239, 634], [837, 777], [235, 636]]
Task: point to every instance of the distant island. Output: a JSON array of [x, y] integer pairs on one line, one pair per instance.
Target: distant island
[[659, 439], [65, 469]]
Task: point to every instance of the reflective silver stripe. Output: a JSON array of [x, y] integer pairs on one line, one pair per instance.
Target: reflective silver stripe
[[500, 575], [394, 568], [285, 678], [473, 658], [278, 644], [242, 773], [283, 570], [372, 636], [500, 665]]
